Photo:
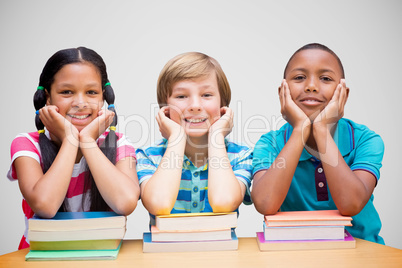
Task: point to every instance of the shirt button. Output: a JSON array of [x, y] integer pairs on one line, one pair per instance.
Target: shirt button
[[195, 189], [195, 204], [196, 174], [320, 184], [319, 170]]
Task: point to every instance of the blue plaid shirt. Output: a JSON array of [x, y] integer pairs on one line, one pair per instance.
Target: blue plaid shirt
[[193, 192]]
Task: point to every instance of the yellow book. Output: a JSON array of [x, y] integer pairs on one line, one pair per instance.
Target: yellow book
[[196, 221]]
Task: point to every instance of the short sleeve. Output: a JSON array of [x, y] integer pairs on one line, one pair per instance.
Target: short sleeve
[[243, 169], [369, 153], [266, 150], [145, 166], [124, 148], [23, 145]]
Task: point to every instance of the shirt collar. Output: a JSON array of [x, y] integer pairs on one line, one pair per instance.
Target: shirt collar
[[343, 137]]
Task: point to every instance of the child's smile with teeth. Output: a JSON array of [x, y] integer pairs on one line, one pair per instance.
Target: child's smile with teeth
[[79, 116], [195, 120]]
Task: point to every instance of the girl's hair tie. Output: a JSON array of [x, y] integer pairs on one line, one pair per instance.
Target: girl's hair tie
[[113, 128], [110, 106], [37, 112], [40, 88], [107, 84], [41, 131]]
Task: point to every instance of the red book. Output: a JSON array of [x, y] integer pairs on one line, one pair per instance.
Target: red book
[[307, 218]]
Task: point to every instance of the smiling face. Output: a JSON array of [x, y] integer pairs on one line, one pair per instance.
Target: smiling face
[[195, 104], [312, 76], [77, 92]]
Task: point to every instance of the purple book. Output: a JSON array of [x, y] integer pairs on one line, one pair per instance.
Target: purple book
[[264, 245]]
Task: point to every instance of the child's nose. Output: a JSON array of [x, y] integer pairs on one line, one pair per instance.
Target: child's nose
[[311, 86], [195, 104], [80, 101]]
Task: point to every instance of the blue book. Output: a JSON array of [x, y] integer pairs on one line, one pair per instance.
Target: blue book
[[71, 255], [189, 246], [68, 221]]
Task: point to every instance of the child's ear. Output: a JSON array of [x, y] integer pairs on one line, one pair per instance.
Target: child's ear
[[47, 97]]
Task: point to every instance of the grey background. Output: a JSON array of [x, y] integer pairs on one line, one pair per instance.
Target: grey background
[[251, 39]]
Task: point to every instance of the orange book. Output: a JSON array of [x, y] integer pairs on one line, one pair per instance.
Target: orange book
[[308, 218]]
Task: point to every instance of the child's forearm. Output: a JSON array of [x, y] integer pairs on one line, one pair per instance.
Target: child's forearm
[[349, 189], [159, 193], [225, 192], [118, 184], [271, 186], [46, 192]]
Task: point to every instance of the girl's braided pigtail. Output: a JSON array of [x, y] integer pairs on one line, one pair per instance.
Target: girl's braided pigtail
[[48, 149], [108, 148]]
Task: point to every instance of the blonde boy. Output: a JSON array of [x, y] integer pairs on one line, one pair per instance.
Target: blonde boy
[[194, 168]]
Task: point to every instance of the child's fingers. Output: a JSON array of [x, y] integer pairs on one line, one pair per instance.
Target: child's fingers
[[158, 117], [226, 111], [337, 93], [343, 94], [282, 95], [287, 95], [48, 113], [162, 112]]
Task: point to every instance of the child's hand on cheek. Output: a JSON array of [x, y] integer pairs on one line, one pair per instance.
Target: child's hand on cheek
[[169, 129], [334, 109], [99, 125], [59, 127], [224, 124], [291, 112]]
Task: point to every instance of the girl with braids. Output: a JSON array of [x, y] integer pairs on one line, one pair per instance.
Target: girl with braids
[[72, 163]]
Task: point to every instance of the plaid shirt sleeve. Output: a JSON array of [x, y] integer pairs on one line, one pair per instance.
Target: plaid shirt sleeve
[[145, 165]]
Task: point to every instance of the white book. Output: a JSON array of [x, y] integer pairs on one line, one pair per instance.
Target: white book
[[94, 234], [190, 235], [303, 232]]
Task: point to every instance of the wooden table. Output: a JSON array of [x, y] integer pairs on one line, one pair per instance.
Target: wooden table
[[366, 254]]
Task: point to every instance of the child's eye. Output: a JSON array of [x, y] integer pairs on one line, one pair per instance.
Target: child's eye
[[326, 78], [66, 92], [180, 97], [92, 92], [207, 95], [299, 77]]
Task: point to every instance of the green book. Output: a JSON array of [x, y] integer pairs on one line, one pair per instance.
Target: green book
[[72, 255]]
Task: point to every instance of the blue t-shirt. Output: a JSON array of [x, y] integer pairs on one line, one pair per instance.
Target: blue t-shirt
[[193, 191], [361, 148]]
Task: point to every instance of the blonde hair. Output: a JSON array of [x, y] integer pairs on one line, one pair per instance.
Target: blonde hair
[[191, 65]]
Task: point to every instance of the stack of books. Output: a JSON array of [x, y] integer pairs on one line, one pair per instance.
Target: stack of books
[[186, 232], [305, 230], [76, 236]]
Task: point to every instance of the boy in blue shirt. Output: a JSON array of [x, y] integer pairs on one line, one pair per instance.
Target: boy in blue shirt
[[194, 168], [318, 160]]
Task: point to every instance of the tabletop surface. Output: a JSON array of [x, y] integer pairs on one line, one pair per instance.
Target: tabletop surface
[[366, 254]]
